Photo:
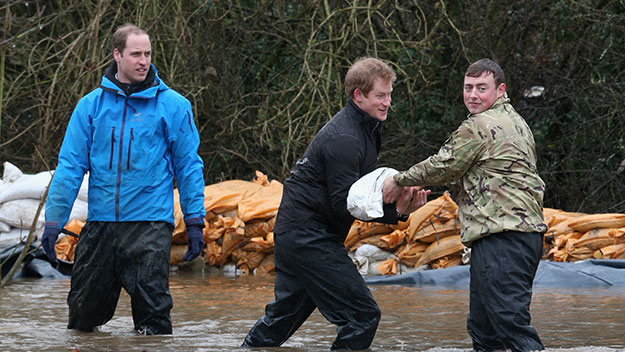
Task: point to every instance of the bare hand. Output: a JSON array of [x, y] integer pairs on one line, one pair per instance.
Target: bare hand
[[411, 199], [391, 190]]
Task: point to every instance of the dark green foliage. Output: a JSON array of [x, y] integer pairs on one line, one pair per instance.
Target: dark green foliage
[[263, 77]]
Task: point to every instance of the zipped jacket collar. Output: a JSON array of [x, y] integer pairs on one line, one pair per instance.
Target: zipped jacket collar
[[150, 91], [370, 123]]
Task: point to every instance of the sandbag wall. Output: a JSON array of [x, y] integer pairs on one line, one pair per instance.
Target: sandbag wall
[[20, 195], [239, 224], [577, 236], [241, 215]]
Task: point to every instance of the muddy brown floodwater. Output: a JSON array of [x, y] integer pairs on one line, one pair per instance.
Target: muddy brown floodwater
[[213, 312]]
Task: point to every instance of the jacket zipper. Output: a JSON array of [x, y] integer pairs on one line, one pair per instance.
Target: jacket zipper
[[132, 136], [119, 165], [112, 148]]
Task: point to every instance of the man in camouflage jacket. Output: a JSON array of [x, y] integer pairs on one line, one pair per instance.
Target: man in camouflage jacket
[[491, 162]]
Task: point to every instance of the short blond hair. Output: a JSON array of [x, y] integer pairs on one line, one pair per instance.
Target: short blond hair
[[363, 73]]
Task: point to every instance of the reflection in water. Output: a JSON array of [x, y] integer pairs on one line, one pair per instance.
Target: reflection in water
[[214, 313]]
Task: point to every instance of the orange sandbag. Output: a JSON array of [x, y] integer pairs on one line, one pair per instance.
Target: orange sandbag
[[394, 239], [447, 262], [267, 266], [258, 228], [66, 245], [446, 246], [556, 216], [387, 267], [560, 229], [262, 204], [608, 252], [260, 244], [247, 261], [443, 204], [225, 196], [410, 253], [596, 238], [593, 221], [178, 236], [234, 235], [436, 231], [360, 230], [176, 254], [75, 226], [261, 179], [212, 252], [579, 253]]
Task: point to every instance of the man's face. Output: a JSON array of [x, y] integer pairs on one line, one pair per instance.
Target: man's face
[[480, 93], [134, 62], [378, 101]]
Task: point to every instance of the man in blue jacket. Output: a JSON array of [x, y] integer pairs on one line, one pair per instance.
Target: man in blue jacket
[[133, 134], [313, 269]]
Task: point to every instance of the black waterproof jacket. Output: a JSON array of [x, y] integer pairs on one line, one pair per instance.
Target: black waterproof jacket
[[315, 194]]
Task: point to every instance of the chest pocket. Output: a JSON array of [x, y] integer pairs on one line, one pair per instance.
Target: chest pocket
[[145, 147]]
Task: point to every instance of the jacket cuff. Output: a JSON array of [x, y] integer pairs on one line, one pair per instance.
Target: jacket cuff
[[195, 221], [52, 225]]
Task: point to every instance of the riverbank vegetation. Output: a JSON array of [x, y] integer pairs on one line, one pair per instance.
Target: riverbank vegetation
[[263, 77]]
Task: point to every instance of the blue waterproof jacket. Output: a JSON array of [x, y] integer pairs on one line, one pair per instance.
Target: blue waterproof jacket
[[132, 146]]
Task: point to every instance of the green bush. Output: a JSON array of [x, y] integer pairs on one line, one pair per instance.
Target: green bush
[[264, 76]]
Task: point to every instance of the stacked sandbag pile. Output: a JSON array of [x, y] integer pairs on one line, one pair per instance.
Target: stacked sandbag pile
[[239, 224], [576, 236], [241, 215], [430, 239], [20, 195]]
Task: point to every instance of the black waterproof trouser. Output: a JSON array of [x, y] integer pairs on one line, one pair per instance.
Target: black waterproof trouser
[[503, 267], [313, 270], [112, 255]]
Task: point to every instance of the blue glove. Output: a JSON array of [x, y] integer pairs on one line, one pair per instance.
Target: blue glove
[[196, 242], [48, 240]]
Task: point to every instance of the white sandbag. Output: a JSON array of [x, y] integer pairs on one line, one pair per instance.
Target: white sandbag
[[11, 172], [367, 254], [21, 212], [364, 200], [26, 186], [79, 210], [4, 227], [84, 188], [15, 235]]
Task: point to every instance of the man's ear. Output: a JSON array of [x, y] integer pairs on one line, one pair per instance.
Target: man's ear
[[116, 55], [501, 90], [358, 95]]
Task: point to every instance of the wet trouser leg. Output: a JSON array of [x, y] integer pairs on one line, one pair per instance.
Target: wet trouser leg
[[143, 268], [94, 288], [503, 267], [109, 256], [314, 270]]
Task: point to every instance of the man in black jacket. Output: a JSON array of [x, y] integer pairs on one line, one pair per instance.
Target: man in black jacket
[[313, 269]]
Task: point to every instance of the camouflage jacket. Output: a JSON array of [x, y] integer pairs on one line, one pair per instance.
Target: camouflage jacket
[[490, 162]]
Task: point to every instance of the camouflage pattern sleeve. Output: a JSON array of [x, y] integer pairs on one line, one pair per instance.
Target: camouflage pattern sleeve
[[451, 162]]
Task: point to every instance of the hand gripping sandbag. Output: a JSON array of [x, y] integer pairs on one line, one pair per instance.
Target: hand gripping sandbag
[[364, 200]]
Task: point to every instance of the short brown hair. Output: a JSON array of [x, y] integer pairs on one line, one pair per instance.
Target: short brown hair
[[486, 65], [121, 35], [363, 73]]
